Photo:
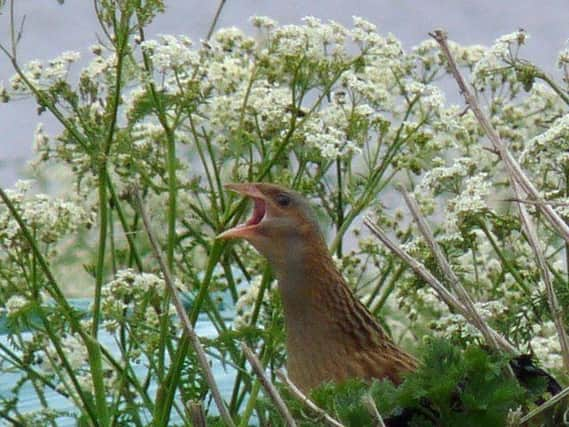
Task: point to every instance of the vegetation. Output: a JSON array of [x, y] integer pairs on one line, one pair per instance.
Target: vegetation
[[462, 388], [344, 115]]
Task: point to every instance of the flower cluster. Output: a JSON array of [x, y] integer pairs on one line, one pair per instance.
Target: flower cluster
[[77, 357], [50, 218], [135, 299], [545, 345], [494, 63], [547, 156], [456, 328], [43, 75], [247, 300], [170, 53], [326, 132], [15, 304]]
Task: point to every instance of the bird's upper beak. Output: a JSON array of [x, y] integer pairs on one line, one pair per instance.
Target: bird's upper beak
[[248, 229]]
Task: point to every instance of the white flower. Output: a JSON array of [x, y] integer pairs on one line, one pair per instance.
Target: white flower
[[371, 84], [14, 304], [437, 177], [325, 133], [52, 218], [432, 300], [146, 134], [556, 136], [41, 140], [290, 40], [69, 56], [228, 73], [472, 198], [97, 49], [414, 87], [170, 52], [4, 96], [504, 49], [546, 347], [363, 25], [433, 99], [231, 39], [99, 67], [247, 299], [263, 22]]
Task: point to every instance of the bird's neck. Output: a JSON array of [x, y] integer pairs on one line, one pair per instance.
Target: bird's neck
[[304, 275], [318, 304], [327, 327]]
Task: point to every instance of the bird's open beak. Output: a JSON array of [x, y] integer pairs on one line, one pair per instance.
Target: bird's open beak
[[248, 229]]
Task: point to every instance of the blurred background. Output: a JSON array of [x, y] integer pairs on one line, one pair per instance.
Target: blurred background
[[51, 28]]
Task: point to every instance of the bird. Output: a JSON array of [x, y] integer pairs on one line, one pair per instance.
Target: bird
[[330, 334]]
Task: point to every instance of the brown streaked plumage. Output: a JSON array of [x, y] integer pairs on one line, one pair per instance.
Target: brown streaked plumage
[[331, 336]]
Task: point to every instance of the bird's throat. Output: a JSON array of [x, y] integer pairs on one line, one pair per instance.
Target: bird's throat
[[304, 278]]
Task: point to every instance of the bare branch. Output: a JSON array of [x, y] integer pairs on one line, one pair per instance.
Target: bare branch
[[452, 279], [520, 182], [309, 403], [419, 269], [186, 324], [515, 172], [268, 385], [535, 202], [370, 405], [546, 405], [554, 308], [196, 413], [215, 19]]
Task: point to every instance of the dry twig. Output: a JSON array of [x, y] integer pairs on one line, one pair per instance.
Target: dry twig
[[268, 385], [309, 403], [520, 182], [556, 310], [419, 269], [535, 202], [186, 324], [453, 280], [546, 405], [515, 172], [196, 413], [372, 408], [215, 19]]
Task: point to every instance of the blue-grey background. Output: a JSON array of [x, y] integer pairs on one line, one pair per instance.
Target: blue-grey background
[[51, 28]]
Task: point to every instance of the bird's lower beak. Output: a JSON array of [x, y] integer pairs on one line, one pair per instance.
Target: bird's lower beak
[[239, 232], [248, 229]]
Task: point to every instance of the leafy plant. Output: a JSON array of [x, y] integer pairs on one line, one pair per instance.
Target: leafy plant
[[452, 387]]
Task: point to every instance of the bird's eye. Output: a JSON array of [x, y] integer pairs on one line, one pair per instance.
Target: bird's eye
[[283, 200]]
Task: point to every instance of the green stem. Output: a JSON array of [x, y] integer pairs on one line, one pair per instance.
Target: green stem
[[127, 230], [380, 282], [167, 389], [172, 202], [100, 267], [235, 398], [172, 199], [16, 361], [93, 348], [122, 36], [340, 207], [87, 403], [551, 83], [505, 262], [250, 404], [389, 288]]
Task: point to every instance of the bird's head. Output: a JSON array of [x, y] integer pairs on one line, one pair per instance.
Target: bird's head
[[283, 225]]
